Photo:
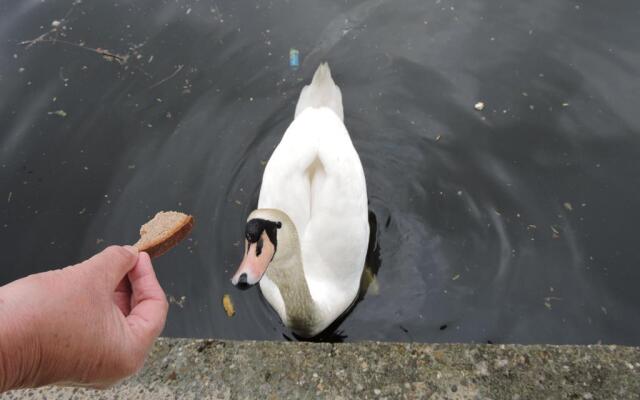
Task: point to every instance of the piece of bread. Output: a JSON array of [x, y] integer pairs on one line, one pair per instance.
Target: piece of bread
[[164, 231]]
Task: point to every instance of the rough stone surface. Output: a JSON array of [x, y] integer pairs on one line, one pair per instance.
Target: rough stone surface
[[210, 369]]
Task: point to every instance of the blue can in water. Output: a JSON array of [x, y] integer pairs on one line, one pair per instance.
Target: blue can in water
[[294, 58]]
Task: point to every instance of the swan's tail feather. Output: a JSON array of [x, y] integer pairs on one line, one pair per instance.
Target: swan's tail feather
[[322, 92]]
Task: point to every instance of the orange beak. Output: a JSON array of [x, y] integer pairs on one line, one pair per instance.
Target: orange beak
[[256, 259]]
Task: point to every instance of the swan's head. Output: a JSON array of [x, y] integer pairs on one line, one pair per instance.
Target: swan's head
[[261, 244]]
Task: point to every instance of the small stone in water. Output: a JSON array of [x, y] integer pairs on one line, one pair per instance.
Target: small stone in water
[[479, 106]]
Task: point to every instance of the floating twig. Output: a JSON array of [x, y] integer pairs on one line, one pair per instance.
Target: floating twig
[[106, 54], [160, 82]]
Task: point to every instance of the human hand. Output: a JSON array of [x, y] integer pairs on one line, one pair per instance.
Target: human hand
[[90, 324]]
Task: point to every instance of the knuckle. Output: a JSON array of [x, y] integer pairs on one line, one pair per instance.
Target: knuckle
[[118, 253], [115, 256]]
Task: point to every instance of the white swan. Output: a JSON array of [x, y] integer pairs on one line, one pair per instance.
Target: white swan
[[307, 241]]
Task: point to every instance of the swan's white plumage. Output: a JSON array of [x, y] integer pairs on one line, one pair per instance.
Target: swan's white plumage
[[315, 176], [322, 92]]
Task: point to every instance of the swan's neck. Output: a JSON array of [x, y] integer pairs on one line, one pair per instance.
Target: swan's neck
[[287, 273]]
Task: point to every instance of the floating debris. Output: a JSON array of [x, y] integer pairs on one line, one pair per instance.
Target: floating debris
[[294, 58], [555, 232], [455, 277], [173, 74], [55, 23], [228, 306], [565, 104], [568, 206], [177, 301], [479, 106], [188, 11], [547, 301], [9, 197], [438, 138], [59, 113], [82, 211], [108, 55]]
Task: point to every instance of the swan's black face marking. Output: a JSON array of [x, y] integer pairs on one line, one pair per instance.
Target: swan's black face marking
[[261, 240], [254, 230], [259, 247]]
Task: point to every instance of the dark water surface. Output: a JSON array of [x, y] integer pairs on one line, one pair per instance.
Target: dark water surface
[[518, 223]]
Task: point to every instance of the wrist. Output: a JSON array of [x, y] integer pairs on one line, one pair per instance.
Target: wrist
[[20, 357]]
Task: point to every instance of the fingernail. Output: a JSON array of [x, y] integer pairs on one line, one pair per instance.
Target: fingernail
[[132, 249]]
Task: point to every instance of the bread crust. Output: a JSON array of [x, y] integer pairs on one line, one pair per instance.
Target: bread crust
[[163, 243]]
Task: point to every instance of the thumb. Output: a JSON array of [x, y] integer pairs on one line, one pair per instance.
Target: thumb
[[149, 303], [116, 261]]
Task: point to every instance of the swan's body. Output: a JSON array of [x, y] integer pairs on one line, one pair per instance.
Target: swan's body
[[314, 186]]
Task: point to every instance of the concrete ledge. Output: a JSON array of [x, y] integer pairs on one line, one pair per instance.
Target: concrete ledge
[[210, 369]]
